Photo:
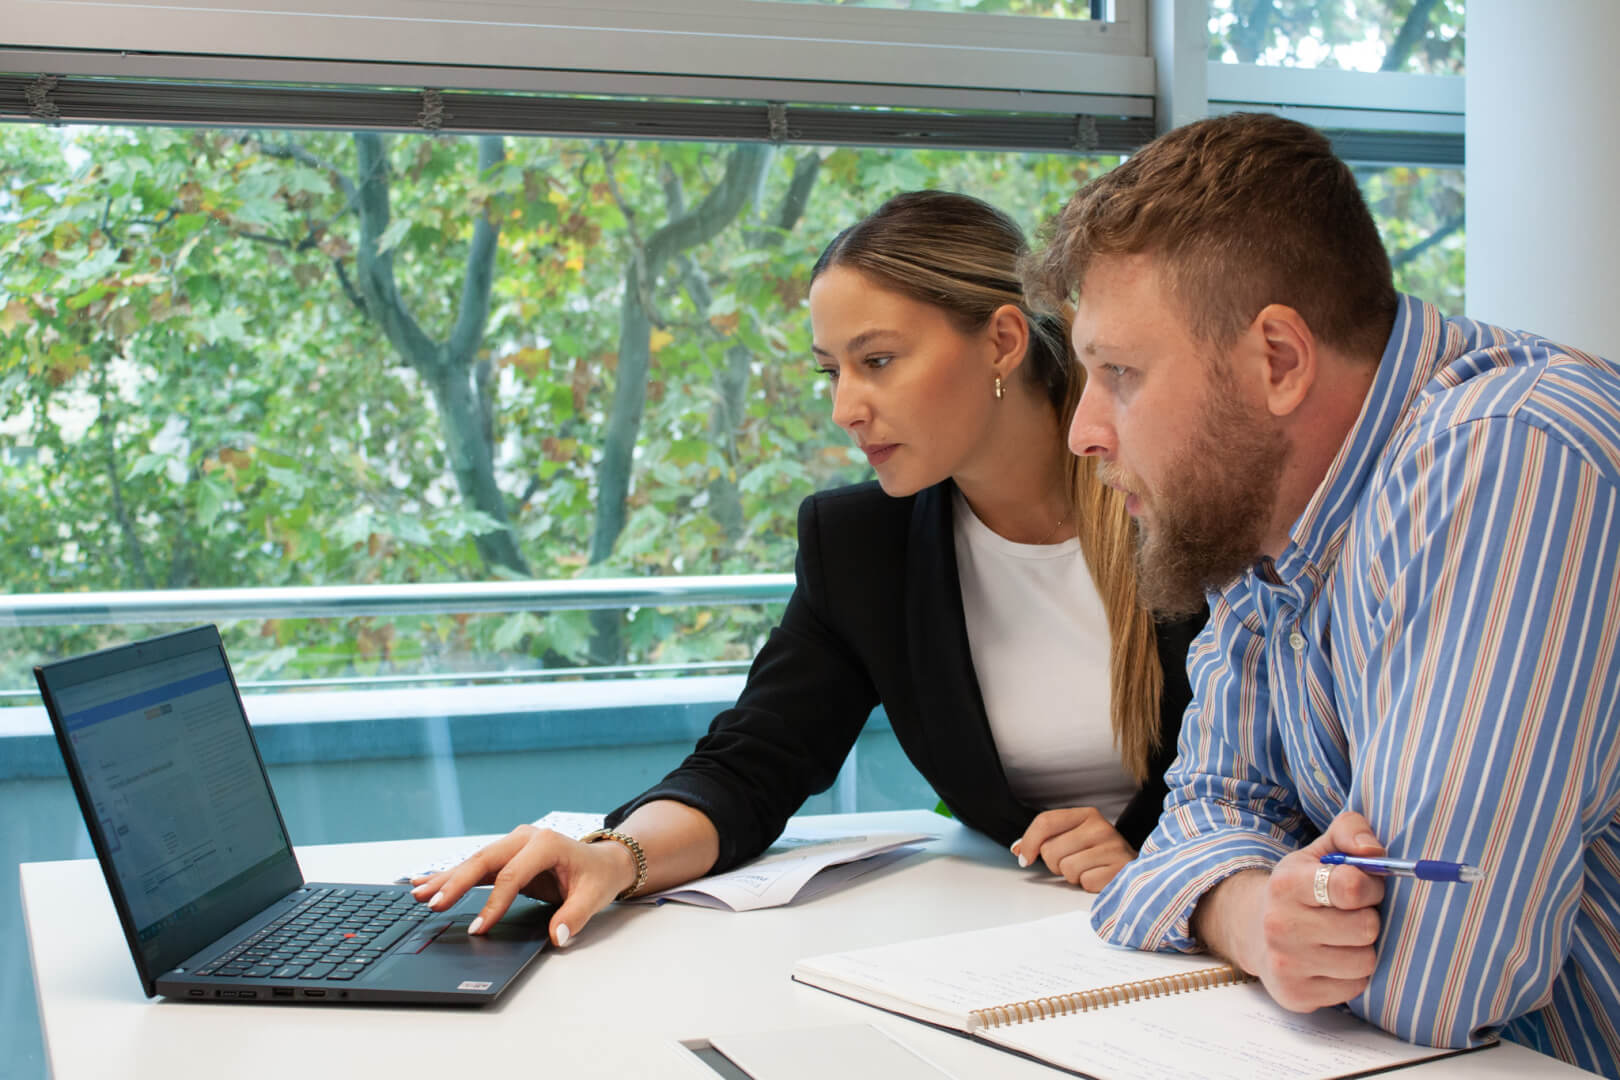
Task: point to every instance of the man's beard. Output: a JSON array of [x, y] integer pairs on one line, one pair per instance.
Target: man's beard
[[1210, 519]]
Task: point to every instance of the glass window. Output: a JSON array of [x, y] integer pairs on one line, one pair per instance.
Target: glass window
[[238, 358], [1420, 214], [1421, 36]]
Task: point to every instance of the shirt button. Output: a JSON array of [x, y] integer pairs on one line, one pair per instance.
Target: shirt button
[[1321, 777], [1297, 641]]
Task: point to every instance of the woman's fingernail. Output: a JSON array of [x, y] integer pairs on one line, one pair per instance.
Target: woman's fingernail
[[1023, 861], [476, 925], [1367, 839], [416, 890], [562, 935], [436, 898]]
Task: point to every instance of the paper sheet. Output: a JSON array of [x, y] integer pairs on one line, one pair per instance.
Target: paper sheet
[[804, 862], [1226, 1032], [798, 866], [1229, 1033]]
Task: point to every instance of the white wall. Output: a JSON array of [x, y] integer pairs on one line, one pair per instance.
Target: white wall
[[1543, 124]]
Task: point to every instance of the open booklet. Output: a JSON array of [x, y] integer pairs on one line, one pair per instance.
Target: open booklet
[[1052, 990], [804, 862]]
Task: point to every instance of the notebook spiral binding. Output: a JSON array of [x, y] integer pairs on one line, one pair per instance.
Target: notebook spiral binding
[[1101, 998]]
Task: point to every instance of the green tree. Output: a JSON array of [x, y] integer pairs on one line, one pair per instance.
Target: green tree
[[233, 358], [1404, 35]]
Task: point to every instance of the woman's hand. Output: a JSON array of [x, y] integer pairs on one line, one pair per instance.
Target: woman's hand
[[582, 878], [1076, 843]]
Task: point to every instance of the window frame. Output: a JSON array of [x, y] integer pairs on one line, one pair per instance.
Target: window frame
[[726, 39]]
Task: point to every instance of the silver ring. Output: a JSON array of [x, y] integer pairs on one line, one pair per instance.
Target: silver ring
[[1319, 886]]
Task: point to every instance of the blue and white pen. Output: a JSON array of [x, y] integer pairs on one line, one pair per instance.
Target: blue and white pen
[[1426, 869]]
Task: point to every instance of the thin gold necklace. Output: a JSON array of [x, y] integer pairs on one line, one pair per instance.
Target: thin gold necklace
[[1048, 538]]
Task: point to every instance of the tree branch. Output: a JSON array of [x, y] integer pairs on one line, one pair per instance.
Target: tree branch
[[109, 447], [1249, 36], [1409, 35], [805, 171], [294, 152], [702, 223], [1446, 228], [468, 332], [718, 208], [349, 290], [377, 283]]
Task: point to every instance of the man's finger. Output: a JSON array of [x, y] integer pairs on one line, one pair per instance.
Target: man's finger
[[1308, 995], [1343, 929], [1350, 833], [1350, 889]]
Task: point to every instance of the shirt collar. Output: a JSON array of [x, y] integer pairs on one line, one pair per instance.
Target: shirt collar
[[1415, 352]]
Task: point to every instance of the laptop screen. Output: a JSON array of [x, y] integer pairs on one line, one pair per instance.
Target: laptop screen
[[171, 782]]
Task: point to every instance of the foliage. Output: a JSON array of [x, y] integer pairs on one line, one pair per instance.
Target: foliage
[[198, 388], [1424, 36], [203, 382]]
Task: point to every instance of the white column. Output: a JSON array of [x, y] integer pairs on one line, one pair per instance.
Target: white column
[[1178, 39], [1543, 123]]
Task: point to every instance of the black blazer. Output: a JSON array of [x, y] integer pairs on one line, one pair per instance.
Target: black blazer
[[876, 617]]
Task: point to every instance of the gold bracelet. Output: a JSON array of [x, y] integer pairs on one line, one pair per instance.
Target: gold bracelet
[[632, 847]]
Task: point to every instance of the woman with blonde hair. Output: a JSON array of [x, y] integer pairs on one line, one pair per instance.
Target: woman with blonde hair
[[983, 590]]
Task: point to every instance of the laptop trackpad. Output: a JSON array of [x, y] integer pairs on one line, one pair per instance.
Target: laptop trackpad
[[527, 920]]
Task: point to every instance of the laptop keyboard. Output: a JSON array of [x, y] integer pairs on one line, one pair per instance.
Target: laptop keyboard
[[336, 934]]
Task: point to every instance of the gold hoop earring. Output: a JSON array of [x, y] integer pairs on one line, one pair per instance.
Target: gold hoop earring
[[998, 387]]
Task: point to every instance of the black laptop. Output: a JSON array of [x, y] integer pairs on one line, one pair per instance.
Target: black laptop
[[200, 866]]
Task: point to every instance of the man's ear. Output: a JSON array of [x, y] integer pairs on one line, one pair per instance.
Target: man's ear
[[1008, 334], [1288, 351]]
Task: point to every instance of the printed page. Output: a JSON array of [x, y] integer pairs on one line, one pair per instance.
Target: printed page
[[943, 979], [797, 859], [1223, 1033]]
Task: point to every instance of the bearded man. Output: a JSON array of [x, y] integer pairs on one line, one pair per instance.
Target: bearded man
[[1407, 529]]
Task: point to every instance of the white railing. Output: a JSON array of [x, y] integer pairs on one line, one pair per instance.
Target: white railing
[[345, 601]]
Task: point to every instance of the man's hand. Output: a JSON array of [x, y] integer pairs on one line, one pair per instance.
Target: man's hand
[[1076, 843], [1271, 924]]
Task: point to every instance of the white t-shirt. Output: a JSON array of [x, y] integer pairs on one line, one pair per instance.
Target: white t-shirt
[[1039, 639]]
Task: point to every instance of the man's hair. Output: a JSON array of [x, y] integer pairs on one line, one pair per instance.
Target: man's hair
[[1241, 211]]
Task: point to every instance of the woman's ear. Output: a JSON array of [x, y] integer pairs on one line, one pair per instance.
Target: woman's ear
[[1008, 335]]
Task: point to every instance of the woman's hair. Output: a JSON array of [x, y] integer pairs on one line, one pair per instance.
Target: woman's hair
[[962, 256]]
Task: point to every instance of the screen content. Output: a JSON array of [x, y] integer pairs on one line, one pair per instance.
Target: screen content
[[177, 789]]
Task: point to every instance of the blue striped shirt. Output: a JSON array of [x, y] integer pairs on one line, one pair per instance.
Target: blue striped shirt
[[1437, 650]]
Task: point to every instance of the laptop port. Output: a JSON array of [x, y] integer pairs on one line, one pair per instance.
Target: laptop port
[[195, 993], [314, 993], [224, 993], [279, 992], [248, 994]]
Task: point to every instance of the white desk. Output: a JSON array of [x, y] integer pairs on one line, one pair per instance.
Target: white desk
[[612, 1005]]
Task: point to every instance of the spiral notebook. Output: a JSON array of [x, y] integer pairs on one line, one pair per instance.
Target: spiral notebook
[[1053, 991]]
